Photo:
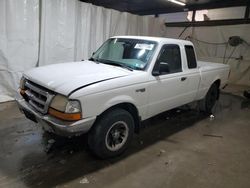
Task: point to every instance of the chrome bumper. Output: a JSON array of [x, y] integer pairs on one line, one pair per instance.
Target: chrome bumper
[[55, 125]]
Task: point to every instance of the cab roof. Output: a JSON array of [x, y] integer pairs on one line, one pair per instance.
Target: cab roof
[[157, 39]]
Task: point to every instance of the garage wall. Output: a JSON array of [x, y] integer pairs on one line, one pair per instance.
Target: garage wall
[[69, 31], [212, 45]]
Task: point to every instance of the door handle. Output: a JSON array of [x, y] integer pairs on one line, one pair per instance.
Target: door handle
[[183, 78], [140, 90]]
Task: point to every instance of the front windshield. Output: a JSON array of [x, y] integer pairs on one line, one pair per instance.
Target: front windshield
[[132, 53]]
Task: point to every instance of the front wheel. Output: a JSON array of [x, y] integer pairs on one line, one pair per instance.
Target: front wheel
[[208, 102], [111, 133]]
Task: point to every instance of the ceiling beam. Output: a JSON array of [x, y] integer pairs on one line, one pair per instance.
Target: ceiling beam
[[212, 5], [128, 7], [208, 23], [218, 4]]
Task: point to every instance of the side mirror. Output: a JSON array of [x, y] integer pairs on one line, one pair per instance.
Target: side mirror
[[93, 53], [163, 68]]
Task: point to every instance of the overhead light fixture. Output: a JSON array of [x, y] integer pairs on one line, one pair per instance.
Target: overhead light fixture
[[177, 2]]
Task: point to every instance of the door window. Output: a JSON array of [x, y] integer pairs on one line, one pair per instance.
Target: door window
[[170, 55], [191, 60]]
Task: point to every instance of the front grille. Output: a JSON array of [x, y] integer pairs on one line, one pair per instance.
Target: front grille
[[38, 97]]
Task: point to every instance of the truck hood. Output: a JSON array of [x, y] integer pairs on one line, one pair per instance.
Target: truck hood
[[67, 77]]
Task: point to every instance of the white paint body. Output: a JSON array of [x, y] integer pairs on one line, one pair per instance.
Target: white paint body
[[119, 86]]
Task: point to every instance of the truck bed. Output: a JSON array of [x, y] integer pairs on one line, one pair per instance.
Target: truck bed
[[206, 66], [211, 72]]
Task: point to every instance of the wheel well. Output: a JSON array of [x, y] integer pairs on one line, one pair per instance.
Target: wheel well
[[131, 109], [217, 83]]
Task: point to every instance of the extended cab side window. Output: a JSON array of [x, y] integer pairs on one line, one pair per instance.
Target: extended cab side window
[[191, 60], [170, 54]]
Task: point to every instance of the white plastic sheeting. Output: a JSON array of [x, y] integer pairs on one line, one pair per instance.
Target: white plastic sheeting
[[97, 24], [211, 45], [18, 42], [58, 31], [70, 30]]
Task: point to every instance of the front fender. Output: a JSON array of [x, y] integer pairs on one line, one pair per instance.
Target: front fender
[[118, 100]]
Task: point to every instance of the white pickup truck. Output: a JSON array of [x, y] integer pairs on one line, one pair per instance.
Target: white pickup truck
[[127, 80]]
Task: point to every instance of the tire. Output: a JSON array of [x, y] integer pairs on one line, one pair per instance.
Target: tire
[[111, 134], [247, 94], [206, 105]]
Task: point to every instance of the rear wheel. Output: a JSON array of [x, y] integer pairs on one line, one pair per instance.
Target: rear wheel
[[247, 94], [111, 134], [208, 102]]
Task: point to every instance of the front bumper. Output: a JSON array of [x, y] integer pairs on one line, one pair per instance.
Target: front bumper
[[51, 124]]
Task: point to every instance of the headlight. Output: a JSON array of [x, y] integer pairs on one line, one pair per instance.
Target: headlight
[[22, 82], [59, 102], [65, 109]]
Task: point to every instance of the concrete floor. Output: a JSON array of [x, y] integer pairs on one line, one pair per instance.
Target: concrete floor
[[180, 148]]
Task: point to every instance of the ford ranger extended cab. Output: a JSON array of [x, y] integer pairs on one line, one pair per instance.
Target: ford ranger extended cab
[[127, 80]]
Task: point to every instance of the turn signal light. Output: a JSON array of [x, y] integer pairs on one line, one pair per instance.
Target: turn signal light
[[65, 116]]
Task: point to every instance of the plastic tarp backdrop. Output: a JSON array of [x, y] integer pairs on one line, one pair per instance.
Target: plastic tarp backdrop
[[65, 31], [211, 44], [18, 42]]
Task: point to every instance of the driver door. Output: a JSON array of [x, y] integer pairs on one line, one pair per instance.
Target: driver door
[[166, 89]]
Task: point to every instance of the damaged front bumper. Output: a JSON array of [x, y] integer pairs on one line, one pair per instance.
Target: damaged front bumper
[[54, 125]]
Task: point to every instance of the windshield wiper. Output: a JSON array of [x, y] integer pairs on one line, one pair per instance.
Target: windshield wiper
[[108, 62], [118, 64]]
